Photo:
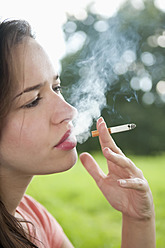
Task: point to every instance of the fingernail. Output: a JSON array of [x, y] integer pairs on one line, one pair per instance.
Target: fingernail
[[100, 120], [122, 182], [107, 151], [103, 124]]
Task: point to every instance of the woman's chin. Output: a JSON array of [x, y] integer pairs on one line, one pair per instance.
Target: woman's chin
[[69, 161], [72, 160]]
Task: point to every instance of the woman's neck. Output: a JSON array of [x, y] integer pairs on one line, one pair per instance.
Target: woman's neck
[[12, 188]]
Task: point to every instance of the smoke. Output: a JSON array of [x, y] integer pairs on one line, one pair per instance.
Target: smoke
[[110, 56]]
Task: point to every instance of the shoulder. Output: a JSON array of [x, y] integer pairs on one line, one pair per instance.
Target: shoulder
[[35, 212], [35, 209], [29, 203], [30, 207]]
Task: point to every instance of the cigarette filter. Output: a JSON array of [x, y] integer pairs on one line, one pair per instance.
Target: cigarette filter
[[116, 129]]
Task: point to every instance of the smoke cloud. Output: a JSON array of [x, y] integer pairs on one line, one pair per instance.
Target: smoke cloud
[[111, 55]]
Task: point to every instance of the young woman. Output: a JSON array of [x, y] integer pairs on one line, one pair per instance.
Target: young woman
[[36, 137]]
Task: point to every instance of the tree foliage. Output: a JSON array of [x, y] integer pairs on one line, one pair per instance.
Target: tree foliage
[[117, 65]]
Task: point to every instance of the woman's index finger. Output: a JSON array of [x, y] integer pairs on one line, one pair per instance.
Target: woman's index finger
[[105, 138]]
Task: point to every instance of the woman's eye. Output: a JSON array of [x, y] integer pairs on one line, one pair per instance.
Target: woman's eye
[[57, 89], [33, 103]]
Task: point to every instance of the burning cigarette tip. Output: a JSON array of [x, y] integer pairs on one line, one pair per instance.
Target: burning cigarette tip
[[132, 126], [116, 129]]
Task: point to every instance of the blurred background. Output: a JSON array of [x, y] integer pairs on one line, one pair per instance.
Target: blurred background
[[120, 57], [111, 58]]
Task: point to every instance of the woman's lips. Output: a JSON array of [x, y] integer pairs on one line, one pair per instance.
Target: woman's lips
[[67, 142]]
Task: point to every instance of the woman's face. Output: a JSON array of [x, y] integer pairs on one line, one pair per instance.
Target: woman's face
[[37, 137]]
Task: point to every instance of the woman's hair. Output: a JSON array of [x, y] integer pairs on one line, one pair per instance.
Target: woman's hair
[[12, 33]]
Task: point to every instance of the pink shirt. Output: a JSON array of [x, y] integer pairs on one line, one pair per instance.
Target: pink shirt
[[45, 228]]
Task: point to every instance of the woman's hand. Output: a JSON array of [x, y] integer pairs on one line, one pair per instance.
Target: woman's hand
[[124, 186]]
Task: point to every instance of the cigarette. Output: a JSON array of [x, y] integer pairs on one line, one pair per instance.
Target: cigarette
[[116, 129]]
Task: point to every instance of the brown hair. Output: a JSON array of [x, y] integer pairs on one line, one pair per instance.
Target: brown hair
[[12, 32]]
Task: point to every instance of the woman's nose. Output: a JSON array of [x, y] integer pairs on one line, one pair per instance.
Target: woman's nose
[[62, 111]]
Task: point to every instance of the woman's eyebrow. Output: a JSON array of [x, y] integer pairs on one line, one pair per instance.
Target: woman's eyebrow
[[28, 89], [35, 87]]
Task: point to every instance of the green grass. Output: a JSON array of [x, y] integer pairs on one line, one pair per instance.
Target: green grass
[[86, 217]]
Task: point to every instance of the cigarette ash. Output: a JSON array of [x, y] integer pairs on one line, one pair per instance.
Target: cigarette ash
[[99, 73]]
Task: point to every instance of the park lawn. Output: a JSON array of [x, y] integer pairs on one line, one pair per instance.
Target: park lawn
[[86, 217]]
